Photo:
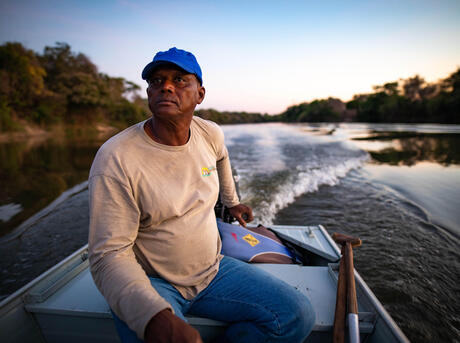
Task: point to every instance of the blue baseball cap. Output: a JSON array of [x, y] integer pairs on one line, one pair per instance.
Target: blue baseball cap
[[183, 59]]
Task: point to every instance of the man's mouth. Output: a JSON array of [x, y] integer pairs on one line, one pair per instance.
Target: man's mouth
[[166, 102]]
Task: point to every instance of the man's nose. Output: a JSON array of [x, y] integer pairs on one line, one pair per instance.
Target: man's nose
[[167, 86]]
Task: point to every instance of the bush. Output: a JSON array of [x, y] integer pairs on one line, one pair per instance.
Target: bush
[[6, 119]]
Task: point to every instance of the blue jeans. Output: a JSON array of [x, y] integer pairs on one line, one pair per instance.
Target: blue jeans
[[258, 306]]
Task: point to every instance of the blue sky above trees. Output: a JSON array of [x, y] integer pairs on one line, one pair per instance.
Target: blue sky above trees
[[259, 56]]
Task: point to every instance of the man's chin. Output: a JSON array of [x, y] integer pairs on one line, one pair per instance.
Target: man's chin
[[164, 112]]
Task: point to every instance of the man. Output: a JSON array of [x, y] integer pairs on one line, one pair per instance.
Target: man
[[154, 247]]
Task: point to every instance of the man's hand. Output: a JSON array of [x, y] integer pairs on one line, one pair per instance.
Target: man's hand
[[242, 213], [165, 327]]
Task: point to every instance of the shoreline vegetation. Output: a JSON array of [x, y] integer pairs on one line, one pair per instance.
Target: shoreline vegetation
[[41, 93]]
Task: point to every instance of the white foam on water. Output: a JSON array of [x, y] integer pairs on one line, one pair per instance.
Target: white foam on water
[[278, 162], [308, 180]]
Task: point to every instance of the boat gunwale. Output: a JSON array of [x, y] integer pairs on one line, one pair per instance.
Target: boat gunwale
[[21, 292]]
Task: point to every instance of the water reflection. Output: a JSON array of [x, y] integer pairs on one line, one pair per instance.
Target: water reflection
[[409, 148], [34, 172]]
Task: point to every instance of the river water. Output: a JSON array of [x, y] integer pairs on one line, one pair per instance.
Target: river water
[[397, 187]]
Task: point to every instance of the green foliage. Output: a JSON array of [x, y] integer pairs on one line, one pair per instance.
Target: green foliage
[[45, 112], [6, 121], [326, 110], [61, 86], [22, 83], [64, 86], [127, 113], [60, 60], [377, 107], [411, 101], [294, 112], [231, 117], [318, 111]]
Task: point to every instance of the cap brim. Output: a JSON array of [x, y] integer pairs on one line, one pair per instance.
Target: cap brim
[[149, 68]]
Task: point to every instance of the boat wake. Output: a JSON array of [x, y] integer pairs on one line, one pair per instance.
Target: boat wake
[[302, 180], [278, 163]]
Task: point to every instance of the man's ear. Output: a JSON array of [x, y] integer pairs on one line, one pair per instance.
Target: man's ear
[[201, 93]]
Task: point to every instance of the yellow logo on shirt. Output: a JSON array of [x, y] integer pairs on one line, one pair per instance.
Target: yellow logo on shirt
[[206, 171], [251, 240]]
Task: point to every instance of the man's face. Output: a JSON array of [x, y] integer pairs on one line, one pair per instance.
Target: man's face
[[173, 93]]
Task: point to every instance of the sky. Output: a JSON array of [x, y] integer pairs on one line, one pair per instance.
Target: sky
[[256, 56]]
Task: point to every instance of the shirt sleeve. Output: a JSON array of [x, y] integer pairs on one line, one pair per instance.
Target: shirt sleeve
[[114, 222], [227, 187]]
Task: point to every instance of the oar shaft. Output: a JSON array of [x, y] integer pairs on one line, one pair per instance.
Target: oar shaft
[[353, 322]]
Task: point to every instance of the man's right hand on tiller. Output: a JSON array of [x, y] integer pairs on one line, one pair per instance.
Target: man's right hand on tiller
[[165, 327]]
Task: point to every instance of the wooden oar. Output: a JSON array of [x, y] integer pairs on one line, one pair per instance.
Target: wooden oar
[[346, 292], [352, 316]]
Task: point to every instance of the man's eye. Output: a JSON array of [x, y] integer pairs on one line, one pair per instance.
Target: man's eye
[[155, 81]]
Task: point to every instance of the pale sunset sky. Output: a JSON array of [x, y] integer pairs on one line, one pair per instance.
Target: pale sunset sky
[[256, 56]]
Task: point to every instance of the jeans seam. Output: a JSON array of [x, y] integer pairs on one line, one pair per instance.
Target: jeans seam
[[278, 326]]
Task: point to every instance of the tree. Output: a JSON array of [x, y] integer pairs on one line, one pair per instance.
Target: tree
[[71, 77], [452, 83], [446, 104], [75, 80], [22, 76], [389, 88], [413, 88], [293, 113], [60, 60], [324, 110]]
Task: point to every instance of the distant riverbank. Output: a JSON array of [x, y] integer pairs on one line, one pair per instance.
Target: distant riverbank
[[33, 132]]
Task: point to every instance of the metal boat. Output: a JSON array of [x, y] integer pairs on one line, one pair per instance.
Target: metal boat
[[64, 305]]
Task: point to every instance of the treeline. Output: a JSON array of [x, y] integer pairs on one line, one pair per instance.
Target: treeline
[[233, 117], [325, 110], [411, 100], [62, 86]]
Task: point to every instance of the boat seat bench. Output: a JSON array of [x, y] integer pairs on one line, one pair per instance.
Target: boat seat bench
[[79, 308]]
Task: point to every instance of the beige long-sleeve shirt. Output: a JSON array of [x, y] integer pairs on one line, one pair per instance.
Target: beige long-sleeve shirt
[[151, 213]]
